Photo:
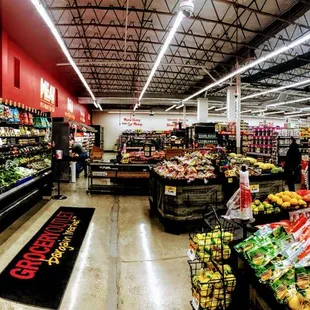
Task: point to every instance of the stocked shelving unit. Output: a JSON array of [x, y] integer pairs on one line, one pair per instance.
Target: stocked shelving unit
[[99, 136], [201, 135], [137, 139], [25, 160], [263, 143], [176, 140]]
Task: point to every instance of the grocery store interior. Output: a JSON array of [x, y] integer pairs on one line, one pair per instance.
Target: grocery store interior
[[155, 155]]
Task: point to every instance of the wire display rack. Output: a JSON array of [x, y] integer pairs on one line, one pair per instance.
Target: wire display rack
[[212, 279]]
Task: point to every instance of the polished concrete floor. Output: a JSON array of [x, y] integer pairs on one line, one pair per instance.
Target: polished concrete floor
[[126, 261]]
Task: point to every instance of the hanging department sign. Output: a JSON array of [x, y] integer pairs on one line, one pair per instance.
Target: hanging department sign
[[47, 96], [69, 113]]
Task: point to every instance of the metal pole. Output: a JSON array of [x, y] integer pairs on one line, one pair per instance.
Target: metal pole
[[184, 116], [238, 108]]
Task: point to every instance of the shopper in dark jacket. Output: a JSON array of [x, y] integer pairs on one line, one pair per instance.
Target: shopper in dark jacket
[[292, 165], [81, 164]]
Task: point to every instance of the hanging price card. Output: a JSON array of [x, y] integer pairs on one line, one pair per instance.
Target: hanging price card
[[254, 188]]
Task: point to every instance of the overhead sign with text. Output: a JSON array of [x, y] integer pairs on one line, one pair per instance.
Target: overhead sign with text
[[70, 109], [48, 96]]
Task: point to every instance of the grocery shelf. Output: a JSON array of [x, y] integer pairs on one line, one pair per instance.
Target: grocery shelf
[[21, 145], [259, 154]]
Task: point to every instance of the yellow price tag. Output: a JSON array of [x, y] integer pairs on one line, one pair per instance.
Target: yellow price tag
[[230, 180], [254, 188], [170, 190]]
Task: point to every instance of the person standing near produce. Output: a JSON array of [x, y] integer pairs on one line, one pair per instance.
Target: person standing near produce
[[292, 165], [81, 164]]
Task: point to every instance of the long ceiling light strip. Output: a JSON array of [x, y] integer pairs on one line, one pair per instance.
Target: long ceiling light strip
[[40, 8], [259, 111], [288, 116], [288, 102], [172, 107], [211, 108], [295, 112], [277, 89], [221, 109], [252, 64], [162, 51], [246, 111], [275, 112], [180, 106]]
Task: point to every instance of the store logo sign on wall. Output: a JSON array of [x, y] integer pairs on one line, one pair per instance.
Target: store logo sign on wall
[[69, 113], [82, 115], [70, 105], [39, 273], [47, 96]]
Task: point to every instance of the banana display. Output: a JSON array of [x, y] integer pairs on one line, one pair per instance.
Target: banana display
[[214, 243], [211, 288], [254, 167]]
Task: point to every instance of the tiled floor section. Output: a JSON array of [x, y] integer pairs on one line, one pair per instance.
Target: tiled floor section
[[126, 262]]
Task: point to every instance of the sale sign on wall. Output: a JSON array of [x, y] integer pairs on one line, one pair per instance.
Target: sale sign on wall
[[47, 96]]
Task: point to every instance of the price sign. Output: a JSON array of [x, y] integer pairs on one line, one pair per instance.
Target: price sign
[[230, 180], [191, 254], [254, 188], [195, 301], [170, 190]]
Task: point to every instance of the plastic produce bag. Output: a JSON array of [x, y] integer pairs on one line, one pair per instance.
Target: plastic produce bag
[[239, 205]]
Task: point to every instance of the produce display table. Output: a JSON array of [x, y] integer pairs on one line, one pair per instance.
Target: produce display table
[[118, 178], [180, 201], [262, 185], [255, 294]]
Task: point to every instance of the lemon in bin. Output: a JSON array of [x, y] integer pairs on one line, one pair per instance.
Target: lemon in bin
[[257, 202]]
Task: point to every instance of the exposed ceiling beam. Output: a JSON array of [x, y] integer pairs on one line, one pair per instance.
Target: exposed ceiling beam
[[296, 11], [200, 49], [258, 12], [150, 11], [289, 65], [189, 34]]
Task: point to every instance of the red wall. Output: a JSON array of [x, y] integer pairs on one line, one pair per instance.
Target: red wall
[[30, 78]]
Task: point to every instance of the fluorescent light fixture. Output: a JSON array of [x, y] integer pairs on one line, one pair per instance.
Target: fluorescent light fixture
[[40, 8], [221, 109], [259, 111], [246, 111], [275, 112], [211, 108], [95, 104], [99, 106], [288, 102], [252, 64], [180, 106], [135, 107], [172, 107], [295, 112], [277, 89], [162, 52], [306, 114]]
